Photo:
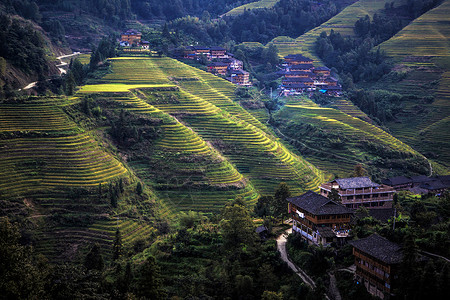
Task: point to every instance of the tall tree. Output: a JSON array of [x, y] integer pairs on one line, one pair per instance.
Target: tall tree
[[359, 171], [236, 225], [94, 259], [117, 245], [281, 194], [149, 285]]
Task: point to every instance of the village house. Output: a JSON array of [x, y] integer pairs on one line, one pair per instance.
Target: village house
[[218, 68], [377, 263], [233, 63], [322, 71], [218, 52], [297, 74], [299, 80], [360, 191], [130, 37], [420, 184], [297, 59], [303, 68], [318, 219], [240, 77]]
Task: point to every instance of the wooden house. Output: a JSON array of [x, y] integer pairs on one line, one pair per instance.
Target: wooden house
[[297, 59], [360, 191], [240, 77], [132, 37], [377, 263], [297, 74], [304, 68], [318, 219], [218, 52], [322, 71], [299, 80], [218, 68]]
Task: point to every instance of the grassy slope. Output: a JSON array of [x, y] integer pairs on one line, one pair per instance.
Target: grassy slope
[[341, 140], [204, 105], [342, 22], [50, 172], [422, 50], [254, 5]]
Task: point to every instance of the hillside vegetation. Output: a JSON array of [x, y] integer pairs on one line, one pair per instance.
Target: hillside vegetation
[[335, 141], [254, 5], [208, 149], [422, 53], [343, 22]]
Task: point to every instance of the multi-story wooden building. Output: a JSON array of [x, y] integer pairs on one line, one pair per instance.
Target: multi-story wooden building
[[298, 80], [377, 263], [360, 191], [131, 37], [297, 59], [218, 52], [322, 71], [297, 74], [218, 68], [240, 77], [318, 219]]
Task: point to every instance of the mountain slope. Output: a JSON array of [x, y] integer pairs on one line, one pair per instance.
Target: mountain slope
[[203, 103], [422, 53], [254, 5], [342, 22]]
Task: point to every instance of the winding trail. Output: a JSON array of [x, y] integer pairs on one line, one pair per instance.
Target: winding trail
[[281, 246], [59, 66]]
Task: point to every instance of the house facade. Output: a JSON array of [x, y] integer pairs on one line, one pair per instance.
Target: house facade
[[132, 37], [218, 68], [318, 219], [377, 264], [360, 191], [240, 77]]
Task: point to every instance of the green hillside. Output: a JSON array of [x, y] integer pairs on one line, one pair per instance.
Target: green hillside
[[422, 52], [51, 172], [342, 22], [254, 5], [336, 141], [200, 118]]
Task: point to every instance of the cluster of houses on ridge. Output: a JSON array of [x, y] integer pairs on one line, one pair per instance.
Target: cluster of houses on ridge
[[221, 62], [133, 38], [322, 221], [300, 76]]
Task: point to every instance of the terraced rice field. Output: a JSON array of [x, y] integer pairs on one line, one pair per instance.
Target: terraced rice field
[[185, 171], [423, 49], [351, 130], [206, 111], [254, 5], [44, 155], [44, 149], [342, 22]]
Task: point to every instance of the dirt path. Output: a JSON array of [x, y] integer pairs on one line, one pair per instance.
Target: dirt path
[[281, 245], [59, 66]]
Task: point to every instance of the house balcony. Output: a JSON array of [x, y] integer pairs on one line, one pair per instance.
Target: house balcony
[[341, 233], [361, 191]]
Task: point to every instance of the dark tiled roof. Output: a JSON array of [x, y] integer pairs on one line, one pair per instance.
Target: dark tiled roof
[[326, 232], [261, 228], [318, 205], [356, 182], [298, 57], [397, 180], [332, 87], [380, 248], [240, 72], [298, 73], [300, 79], [296, 85], [216, 48], [420, 179], [200, 48], [218, 64], [302, 67], [322, 69], [445, 179], [433, 185], [131, 31]]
